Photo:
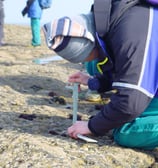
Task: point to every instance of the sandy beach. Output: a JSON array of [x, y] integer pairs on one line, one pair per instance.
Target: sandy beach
[[33, 124]]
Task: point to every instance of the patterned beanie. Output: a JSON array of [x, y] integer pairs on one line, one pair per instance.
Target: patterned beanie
[[71, 38]]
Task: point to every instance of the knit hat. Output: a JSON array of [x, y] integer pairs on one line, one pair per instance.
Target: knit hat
[[71, 38]]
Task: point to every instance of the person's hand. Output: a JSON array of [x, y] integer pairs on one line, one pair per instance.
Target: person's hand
[[79, 77], [79, 127]]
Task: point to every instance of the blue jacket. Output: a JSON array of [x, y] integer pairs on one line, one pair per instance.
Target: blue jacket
[[35, 11]]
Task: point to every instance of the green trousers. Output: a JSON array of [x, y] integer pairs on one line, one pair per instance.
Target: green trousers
[[142, 132], [35, 28]]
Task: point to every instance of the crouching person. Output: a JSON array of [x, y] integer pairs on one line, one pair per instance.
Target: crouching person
[[127, 58]]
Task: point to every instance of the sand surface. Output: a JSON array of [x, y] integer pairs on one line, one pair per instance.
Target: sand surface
[[33, 125]]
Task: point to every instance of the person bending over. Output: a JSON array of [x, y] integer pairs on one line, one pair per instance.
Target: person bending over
[[127, 58]]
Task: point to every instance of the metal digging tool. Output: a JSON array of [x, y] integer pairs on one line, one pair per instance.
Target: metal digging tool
[[75, 102], [75, 110]]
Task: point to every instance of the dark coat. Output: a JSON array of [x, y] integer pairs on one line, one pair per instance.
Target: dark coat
[[132, 46]]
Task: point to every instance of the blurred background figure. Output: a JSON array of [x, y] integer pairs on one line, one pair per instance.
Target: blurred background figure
[[34, 11], [1, 23]]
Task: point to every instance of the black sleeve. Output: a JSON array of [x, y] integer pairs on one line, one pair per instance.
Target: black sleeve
[[105, 81], [125, 106]]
